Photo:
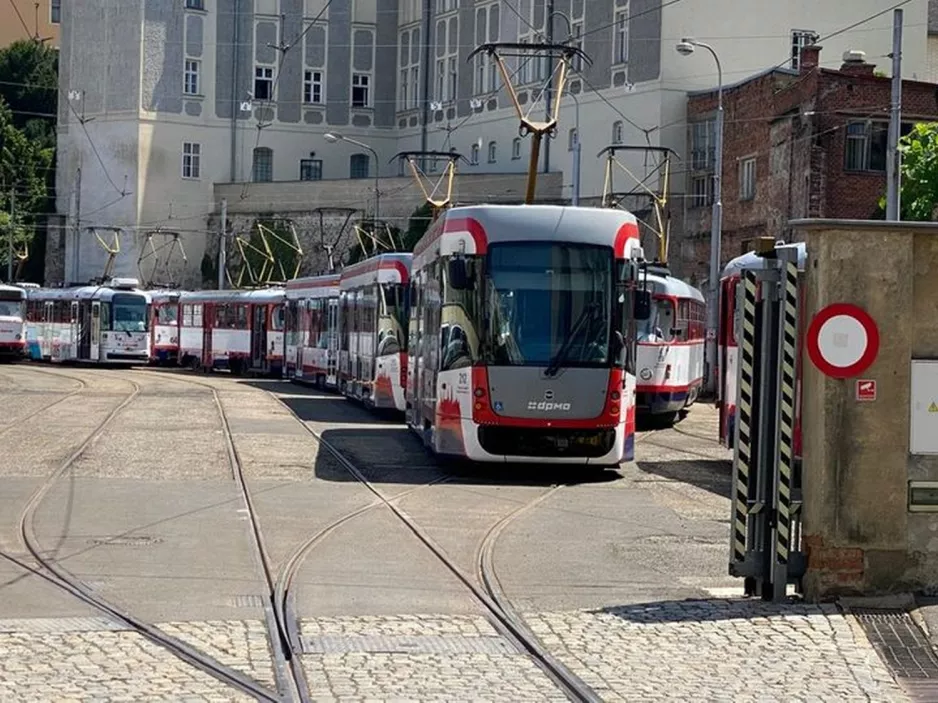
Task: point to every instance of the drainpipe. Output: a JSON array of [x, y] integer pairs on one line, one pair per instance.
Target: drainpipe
[[235, 80], [425, 107]]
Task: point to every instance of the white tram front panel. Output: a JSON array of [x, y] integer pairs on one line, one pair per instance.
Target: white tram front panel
[[12, 322], [531, 356], [311, 347], [165, 326]]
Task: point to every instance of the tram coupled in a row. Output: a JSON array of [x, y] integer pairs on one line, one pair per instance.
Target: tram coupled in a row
[[164, 326], [12, 322], [106, 323], [670, 346], [522, 334]]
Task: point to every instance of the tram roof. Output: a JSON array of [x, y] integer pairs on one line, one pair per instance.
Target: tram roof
[[4, 288], [259, 295], [325, 284], [669, 285], [83, 293], [751, 260]]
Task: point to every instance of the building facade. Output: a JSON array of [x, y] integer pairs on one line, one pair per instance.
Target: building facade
[[182, 95], [805, 143], [30, 19]]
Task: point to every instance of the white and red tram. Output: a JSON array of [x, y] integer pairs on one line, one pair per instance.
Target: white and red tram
[[311, 335], [12, 322], [372, 318], [728, 349], [522, 334], [670, 346], [164, 326], [241, 330]]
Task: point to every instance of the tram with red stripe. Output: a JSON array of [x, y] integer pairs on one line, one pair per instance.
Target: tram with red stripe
[[164, 326], [670, 346], [728, 344], [522, 334], [12, 322], [311, 330]]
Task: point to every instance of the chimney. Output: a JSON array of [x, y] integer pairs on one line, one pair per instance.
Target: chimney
[[855, 64], [810, 58]]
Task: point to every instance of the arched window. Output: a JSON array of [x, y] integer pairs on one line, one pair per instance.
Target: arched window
[[474, 155], [358, 166], [493, 146], [617, 135], [516, 148], [262, 168]]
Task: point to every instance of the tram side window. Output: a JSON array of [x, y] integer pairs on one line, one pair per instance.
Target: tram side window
[[629, 328], [105, 317], [345, 323], [187, 316], [197, 315], [276, 321], [460, 314]]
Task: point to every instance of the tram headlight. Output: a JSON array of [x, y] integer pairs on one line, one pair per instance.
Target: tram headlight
[[18, 337], [479, 392], [614, 409], [614, 395]]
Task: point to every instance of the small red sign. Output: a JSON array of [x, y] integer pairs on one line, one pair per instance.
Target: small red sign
[[866, 389]]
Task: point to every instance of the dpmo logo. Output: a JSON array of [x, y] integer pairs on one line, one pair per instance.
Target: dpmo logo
[[546, 405]]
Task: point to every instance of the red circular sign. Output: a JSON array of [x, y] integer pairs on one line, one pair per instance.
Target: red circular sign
[[842, 340]]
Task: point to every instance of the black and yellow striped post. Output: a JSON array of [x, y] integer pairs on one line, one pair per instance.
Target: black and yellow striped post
[[742, 455], [788, 323]]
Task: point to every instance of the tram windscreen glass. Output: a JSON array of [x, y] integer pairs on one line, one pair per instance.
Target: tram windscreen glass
[[129, 313], [12, 305], [548, 304], [167, 314], [657, 328]]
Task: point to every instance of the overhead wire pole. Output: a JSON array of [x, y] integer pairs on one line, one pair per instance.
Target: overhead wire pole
[[893, 161], [223, 244], [12, 229]]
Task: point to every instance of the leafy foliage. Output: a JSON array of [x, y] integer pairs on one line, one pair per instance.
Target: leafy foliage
[[918, 200], [29, 83]]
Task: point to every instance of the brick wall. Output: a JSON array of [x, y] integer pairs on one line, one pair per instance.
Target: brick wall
[[795, 126]]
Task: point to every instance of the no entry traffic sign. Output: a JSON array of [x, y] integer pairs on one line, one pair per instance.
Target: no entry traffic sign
[[842, 340]]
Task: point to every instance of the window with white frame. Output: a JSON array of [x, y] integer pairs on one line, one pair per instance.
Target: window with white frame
[[444, 6], [621, 29], [532, 27], [577, 14], [474, 155], [516, 148], [361, 90], [264, 83], [572, 138], [747, 178], [701, 191], [866, 146], [485, 67], [493, 152], [190, 85], [191, 160], [800, 38], [310, 169], [262, 166], [447, 57], [312, 87], [408, 84], [314, 64], [618, 130], [55, 11]]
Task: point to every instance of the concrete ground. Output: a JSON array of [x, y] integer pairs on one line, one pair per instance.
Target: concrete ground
[[622, 575]]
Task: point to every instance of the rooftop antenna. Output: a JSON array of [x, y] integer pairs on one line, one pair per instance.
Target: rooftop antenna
[[658, 195], [564, 54], [437, 203]]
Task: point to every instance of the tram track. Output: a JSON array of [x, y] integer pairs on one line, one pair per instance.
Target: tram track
[[82, 385], [58, 576]]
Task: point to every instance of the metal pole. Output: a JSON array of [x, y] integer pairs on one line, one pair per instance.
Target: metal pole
[[10, 238], [425, 105], [550, 79], [75, 258], [223, 244], [893, 160], [235, 80], [716, 233], [576, 153], [377, 192]]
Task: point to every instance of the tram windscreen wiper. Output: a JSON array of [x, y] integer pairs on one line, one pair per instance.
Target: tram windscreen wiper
[[588, 315]]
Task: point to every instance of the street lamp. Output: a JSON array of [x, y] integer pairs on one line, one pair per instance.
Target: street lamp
[[332, 138], [686, 47]]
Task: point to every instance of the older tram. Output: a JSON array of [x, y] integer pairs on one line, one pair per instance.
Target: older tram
[[164, 326], [106, 323], [311, 334], [12, 322], [522, 334], [670, 346]]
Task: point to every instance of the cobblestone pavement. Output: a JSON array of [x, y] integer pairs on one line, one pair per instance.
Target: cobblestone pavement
[[86, 659], [418, 657], [718, 650]]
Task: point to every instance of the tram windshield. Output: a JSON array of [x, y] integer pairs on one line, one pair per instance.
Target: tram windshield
[[548, 304], [129, 313], [658, 326], [12, 305], [167, 314]]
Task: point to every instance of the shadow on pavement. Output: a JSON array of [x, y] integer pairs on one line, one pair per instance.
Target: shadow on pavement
[[313, 405], [706, 610], [714, 475], [396, 455]]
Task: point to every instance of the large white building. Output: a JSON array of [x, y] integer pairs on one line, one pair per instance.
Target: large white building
[[163, 99]]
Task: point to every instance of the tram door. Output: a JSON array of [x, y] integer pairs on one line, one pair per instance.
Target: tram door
[[74, 332], [332, 352], [95, 331], [258, 336], [415, 350], [84, 329], [208, 324]]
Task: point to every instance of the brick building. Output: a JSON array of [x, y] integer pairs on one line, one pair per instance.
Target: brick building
[[805, 143]]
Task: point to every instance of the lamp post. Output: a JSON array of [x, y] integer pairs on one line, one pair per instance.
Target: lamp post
[[332, 138], [686, 47]]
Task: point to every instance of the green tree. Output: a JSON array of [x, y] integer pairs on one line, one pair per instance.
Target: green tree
[[24, 169], [29, 83], [418, 225], [918, 197]]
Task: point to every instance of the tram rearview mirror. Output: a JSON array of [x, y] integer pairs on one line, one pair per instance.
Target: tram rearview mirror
[[642, 305], [458, 274]]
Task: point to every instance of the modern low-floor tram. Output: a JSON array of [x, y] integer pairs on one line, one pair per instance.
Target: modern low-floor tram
[[522, 334], [106, 323]]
